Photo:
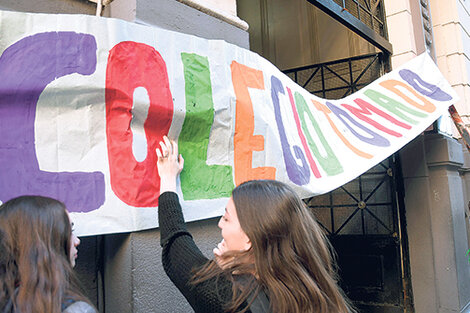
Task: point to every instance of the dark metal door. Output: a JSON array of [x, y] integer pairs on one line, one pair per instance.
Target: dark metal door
[[363, 221], [365, 218]]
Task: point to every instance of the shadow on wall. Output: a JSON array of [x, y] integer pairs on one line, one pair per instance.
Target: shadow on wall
[[130, 266]]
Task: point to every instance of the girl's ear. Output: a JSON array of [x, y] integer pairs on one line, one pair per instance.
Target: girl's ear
[[247, 244]]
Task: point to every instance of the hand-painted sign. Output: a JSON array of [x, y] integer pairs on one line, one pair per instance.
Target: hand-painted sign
[[84, 102]]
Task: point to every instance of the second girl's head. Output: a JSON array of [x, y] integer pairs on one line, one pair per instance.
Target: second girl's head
[[35, 223], [269, 218], [268, 225], [39, 251]]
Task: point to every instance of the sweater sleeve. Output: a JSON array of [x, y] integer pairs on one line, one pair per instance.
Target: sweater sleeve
[[180, 256]]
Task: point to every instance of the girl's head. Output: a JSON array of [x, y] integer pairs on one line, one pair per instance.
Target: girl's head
[[39, 252], [266, 223], [268, 216], [34, 222]]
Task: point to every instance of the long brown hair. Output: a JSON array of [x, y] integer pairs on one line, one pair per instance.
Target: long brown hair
[[35, 270], [291, 257]]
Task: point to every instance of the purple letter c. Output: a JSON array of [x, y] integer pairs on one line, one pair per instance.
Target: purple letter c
[[26, 68]]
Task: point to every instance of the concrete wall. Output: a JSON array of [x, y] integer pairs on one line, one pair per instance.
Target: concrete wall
[[228, 6], [404, 30], [177, 16], [88, 268], [134, 278], [451, 24], [122, 273]]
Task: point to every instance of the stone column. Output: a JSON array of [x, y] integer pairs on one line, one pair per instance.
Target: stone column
[[418, 218], [435, 202], [444, 159]]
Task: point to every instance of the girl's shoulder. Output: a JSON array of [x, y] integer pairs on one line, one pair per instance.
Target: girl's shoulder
[[79, 307]]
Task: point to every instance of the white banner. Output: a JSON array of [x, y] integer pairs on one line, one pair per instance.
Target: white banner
[[84, 102]]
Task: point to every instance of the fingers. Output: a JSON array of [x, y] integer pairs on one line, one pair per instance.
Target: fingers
[[217, 252], [164, 148], [168, 145], [169, 149], [220, 249], [159, 154]]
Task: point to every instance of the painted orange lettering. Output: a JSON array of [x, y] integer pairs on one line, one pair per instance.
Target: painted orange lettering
[[426, 105], [245, 142]]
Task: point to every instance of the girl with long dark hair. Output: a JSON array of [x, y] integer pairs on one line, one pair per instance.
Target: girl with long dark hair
[[38, 252], [274, 257]]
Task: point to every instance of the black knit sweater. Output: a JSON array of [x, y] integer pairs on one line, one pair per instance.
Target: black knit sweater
[[181, 255]]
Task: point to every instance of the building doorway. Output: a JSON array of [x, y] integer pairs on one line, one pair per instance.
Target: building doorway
[[365, 218], [366, 226]]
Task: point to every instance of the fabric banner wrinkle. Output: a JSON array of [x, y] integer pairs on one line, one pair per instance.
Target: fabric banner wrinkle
[[85, 102]]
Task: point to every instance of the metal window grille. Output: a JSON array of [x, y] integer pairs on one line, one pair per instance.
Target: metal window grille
[[370, 12], [366, 205], [338, 79]]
